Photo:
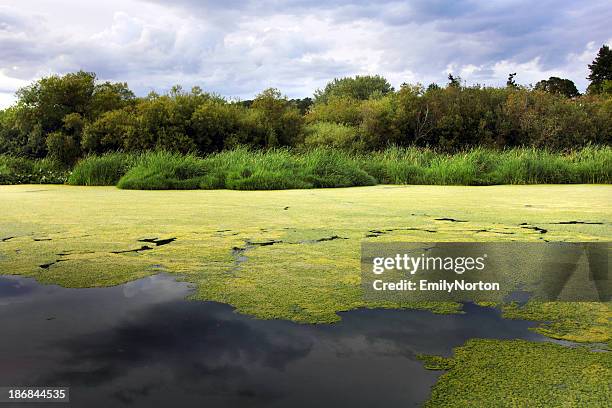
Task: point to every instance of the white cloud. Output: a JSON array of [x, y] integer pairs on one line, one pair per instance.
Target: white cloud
[[239, 47]]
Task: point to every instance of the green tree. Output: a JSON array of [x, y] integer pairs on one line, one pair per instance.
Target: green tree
[[214, 123], [359, 87], [337, 109], [511, 83], [559, 86], [303, 105], [48, 100], [454, 81], [414, 119], [109, 132], [11, 140], [601, 70], [378, 127], [110, 96], [49, 105], [62, 148], [281, 119]]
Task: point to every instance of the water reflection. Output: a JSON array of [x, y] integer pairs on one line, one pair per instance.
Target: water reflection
[[141, 344]]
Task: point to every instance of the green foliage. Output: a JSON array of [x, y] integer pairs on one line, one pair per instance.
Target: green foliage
[[322, 166], [58, 104], [281, 120], [215, 123], [19, 170], [110, 96], [337, 109], [163, 122], [162, 170], [559, 86], [244, 169], [68, 117], [110, 131], [104, 170], [333, 168], [378, 126], [47, 101], [455, 81], [359, 87], [550, 121], [489, 167], [62, 148], [330, 134], [600, 70]]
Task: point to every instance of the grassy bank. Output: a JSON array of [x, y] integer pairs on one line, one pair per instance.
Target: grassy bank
[[243, 169], [281, 169]]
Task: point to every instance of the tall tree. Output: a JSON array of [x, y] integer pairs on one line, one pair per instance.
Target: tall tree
[[511, 83], [601, 69], [454, 81], [559, 86], [359, 87]]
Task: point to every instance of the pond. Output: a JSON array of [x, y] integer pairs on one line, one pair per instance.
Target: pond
[[142, 344]]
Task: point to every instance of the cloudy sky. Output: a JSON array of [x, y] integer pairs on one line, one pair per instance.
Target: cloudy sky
[[239, 47]]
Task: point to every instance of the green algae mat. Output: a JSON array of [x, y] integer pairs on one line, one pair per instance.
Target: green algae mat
[[295, 255]]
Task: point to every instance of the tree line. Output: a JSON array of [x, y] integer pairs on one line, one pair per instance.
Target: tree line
[[70, 116]]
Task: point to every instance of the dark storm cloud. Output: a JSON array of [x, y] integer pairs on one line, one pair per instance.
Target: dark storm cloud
[[239, 47]]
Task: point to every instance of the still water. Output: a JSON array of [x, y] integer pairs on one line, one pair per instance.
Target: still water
[[142, 345]]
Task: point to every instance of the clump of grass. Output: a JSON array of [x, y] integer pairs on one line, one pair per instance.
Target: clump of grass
[[163, 170], [334, 168], [243, 169], [105, 170]]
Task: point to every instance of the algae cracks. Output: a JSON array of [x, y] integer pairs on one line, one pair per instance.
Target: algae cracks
[[518, 373], [291, 254]]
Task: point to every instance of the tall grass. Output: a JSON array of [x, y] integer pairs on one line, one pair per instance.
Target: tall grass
[[489, 167], [244, 169], [105, 170], [164, 171]]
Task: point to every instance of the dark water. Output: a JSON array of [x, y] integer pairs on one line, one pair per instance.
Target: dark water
[[142, 345]]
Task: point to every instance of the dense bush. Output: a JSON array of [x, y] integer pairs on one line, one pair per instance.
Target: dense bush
[[19, 170], [330, 134]]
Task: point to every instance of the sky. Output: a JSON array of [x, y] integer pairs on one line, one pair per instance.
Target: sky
[[237, 48]]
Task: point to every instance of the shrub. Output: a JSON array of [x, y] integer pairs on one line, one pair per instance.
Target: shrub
[[109, 131], [329, 134], [19, 170], [62, 148]]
